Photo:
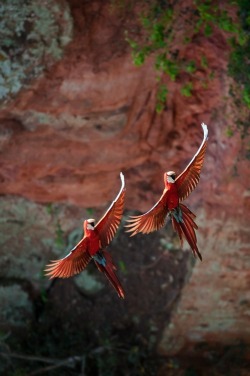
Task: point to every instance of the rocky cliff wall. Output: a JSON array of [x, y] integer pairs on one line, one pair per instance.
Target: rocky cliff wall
[[67, 134]]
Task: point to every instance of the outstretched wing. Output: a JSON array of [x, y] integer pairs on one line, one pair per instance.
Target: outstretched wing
[[109, 223], [77, 260], [153, 220], [189, 178]]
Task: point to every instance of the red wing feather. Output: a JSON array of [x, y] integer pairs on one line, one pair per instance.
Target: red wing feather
[[72, 264], [189, 178], [109, 223], [153, 220]]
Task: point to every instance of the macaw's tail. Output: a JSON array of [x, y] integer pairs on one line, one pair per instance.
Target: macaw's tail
[[105, 265], [183, 223]]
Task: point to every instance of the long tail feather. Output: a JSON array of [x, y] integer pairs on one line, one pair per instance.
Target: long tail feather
[[109, 271], [177, 229], [186, 227]]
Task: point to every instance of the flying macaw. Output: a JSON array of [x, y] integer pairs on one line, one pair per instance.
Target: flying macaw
[[175, 191], [92, 246]]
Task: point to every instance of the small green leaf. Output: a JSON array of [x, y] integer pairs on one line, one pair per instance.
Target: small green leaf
[[132, 43], [167, 17], [248, 20], [162, 93], [49, 208], [191, 67], [229, 132], [242, 38], [211, 75], [146, 22], [139, 58], [161, 97], [204, 62], [90, 212], [187, 40], [207, 30], [159, 108], [123, 267], [186, 90], [246, 96], [157, 35]]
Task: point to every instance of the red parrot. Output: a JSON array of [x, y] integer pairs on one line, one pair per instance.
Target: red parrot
[[175, 191], [91, 246]]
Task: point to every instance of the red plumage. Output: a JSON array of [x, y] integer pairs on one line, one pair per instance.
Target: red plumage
[[175, 191], [109, 270], [92, 246]]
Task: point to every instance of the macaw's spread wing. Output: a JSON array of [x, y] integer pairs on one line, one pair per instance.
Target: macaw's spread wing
[[77, 260], [153, 220], [189, 178], [109, 223]]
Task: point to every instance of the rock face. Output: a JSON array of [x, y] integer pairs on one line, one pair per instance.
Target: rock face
[[33, 36], [67, 135], [93, 115]]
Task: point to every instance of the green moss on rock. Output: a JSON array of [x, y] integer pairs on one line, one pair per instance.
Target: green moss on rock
[[33, 35]]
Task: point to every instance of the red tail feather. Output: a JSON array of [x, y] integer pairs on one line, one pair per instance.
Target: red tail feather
[[109, 271], [187, 228]]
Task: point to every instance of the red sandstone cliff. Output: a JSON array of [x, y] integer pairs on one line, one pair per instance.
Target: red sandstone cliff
[[66, 137]]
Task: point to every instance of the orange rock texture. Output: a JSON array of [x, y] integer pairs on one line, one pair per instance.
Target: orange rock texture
[[66, 137]]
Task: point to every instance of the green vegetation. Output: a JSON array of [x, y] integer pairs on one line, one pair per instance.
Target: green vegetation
[[186, 90], [122, 267], [239, 67], [90, 212], [159, 33], [161, 97]]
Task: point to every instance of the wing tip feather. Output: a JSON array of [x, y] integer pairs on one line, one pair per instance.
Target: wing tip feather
[[122, 180], [205, 130]]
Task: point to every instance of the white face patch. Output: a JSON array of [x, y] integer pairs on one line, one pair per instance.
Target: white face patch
[[90, 224], [90, 227], [170, 179]]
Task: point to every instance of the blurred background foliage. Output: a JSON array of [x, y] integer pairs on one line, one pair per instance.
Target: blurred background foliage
[[159, 33]]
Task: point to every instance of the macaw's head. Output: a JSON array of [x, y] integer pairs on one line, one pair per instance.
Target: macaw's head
[[89, 224], [169, 177]]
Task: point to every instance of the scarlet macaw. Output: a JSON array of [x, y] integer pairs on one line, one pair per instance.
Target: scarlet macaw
[[175, 191], [91, 246]]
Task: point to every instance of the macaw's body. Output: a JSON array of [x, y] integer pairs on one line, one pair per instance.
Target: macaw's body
[[169, 204], [92, 246]]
